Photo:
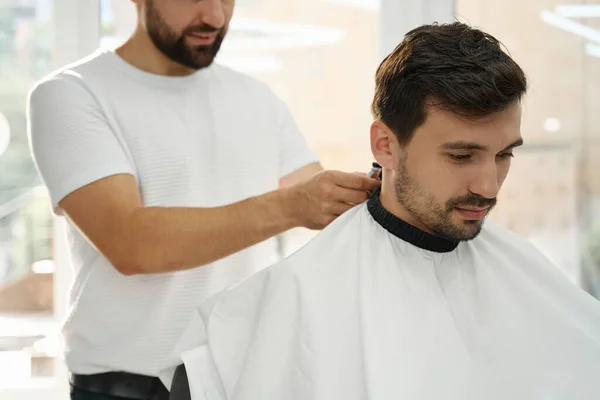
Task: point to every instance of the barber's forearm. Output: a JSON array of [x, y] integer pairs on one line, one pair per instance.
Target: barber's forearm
[[171, 239]]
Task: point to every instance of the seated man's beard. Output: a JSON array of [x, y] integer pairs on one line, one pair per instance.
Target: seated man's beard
[[433, 215]]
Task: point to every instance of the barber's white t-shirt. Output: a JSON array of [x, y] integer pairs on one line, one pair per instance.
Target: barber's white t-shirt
[[204, 140]]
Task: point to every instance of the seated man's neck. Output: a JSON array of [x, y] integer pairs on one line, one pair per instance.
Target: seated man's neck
[[391, 204]]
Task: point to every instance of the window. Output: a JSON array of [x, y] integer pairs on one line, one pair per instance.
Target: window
[[560, 125], [27, 323]]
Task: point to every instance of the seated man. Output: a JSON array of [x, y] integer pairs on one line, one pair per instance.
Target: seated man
[[411, 295]]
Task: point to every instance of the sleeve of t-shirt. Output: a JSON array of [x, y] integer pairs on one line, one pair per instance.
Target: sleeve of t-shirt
[[71, 141], [295, 152]]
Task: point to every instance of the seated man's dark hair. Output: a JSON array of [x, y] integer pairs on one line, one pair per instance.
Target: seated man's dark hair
[[452, 66]]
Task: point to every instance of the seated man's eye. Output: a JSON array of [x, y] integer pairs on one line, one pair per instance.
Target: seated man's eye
[[506, 155], [460, 157]]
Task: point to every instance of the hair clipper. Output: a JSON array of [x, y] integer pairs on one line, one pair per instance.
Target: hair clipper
[[375, 171]]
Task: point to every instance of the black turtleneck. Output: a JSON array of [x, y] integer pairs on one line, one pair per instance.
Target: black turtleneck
[[406, 231]]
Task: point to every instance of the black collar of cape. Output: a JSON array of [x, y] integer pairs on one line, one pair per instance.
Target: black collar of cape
[[406, 231]]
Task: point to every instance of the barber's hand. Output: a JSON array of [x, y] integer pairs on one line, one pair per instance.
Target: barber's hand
[[329, 194]]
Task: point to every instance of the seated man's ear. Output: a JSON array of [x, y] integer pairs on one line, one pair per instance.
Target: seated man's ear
[[383, 143]]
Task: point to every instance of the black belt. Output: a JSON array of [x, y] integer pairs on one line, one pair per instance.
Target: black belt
[[121, 384]]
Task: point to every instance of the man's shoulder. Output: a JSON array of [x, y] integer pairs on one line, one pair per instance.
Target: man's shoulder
[[93, 63], [73, 74]]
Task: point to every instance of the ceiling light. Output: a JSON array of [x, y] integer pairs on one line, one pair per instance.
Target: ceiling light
[[570, 26], [592, 50], [579, 11], [552, 125]]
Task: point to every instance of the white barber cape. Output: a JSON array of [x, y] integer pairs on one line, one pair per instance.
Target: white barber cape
[[373, 308]]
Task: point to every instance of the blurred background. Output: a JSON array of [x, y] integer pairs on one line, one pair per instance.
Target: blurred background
[[320, 56]]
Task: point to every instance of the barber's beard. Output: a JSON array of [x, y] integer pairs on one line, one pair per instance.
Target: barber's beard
[[174, 46], [436, 217]]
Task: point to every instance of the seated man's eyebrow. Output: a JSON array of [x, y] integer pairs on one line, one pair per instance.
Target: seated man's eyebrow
[[464, 145], [516, 143]]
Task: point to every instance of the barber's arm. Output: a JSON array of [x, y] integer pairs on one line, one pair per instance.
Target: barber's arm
[[138, 239], [91, 180]]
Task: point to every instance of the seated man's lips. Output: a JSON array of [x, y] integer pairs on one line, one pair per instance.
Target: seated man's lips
[[472, 214]]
